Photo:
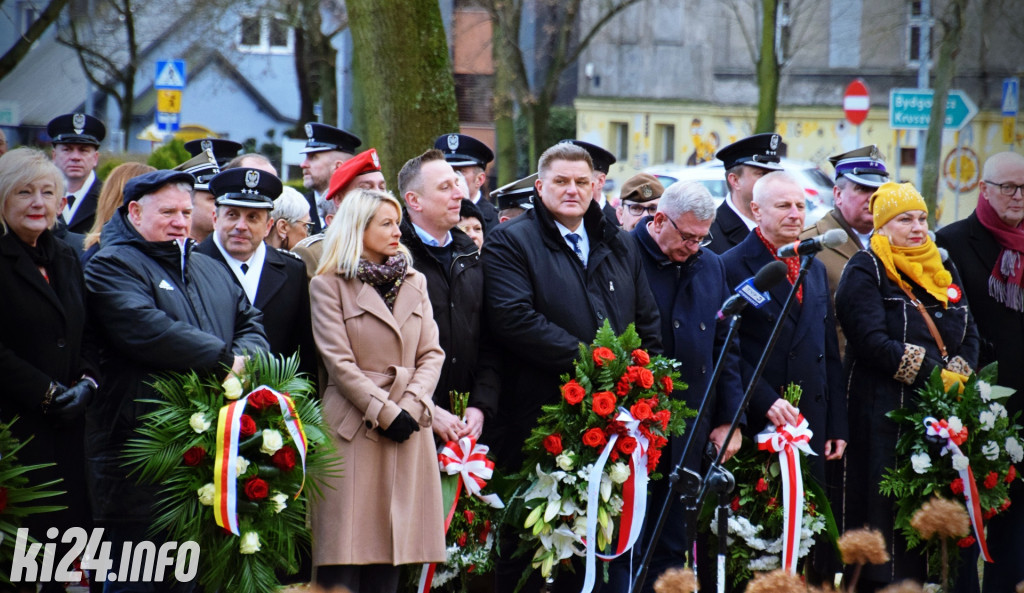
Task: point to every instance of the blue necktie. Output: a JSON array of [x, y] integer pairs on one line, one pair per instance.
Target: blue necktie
[[245, 269], [575, 240]]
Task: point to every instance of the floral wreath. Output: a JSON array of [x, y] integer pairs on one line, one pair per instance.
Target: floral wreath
[[236, 469], [587, 461]]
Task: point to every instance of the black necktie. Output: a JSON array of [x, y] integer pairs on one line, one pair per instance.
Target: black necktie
[[245, 269], [71, 201]]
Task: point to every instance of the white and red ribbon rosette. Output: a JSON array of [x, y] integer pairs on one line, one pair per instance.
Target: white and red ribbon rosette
[[467, 459], [634, 498], [789, 441], [940, 429]]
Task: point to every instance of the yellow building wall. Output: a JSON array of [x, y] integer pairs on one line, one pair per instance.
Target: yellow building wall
[[810, 133]]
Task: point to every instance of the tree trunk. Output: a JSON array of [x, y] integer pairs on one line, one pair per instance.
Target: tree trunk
[[504, 107], [767, 71], [400, 60], [302, 78], [9, 61], [945, 69], [327, 61]]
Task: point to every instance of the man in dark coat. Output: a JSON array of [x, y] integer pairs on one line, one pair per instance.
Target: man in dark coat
[[552, 277], [807, 353], [158, 307], [76, 141], [455, 284], [274, 280], [689, 285], [977, 245], [745, 162]]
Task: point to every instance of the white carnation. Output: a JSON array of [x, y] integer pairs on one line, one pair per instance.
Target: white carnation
[[921, 462], [564, 460], [199, 423], [955, 425], [984, 390], [619, 472], [990, 451], [272, 441], [960, 462], [1014, 449], [997, 409], [250, 543], [206, 495], [987, 419]]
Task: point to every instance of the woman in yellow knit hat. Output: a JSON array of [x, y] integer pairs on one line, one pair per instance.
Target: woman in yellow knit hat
[[903, 313]]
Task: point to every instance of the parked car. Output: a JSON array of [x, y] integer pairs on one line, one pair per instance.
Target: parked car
[[817, 184]]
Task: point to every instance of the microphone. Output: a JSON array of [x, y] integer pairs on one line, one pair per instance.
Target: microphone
[[754, 291], [830, 239]]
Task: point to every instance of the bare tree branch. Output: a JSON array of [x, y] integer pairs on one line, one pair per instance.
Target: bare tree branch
[[9, 61]]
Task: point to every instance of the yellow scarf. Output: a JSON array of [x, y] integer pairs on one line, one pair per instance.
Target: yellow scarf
[[921, 264]]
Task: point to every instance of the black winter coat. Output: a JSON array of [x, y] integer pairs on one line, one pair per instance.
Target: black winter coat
[[886, 335], [43, 339], [86, 213], [456, 291], [728, 230], [542, 303], [155, 310]]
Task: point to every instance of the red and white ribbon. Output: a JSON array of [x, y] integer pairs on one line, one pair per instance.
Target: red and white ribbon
[[229, 424], [789, 441], [634, 498], [469, 461], [937, 428]]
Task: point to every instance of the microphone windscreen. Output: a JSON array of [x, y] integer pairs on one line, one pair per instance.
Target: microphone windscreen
[[834, 238], [770, 275]]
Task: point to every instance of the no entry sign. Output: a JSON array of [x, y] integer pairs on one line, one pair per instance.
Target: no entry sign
[[856, 102]]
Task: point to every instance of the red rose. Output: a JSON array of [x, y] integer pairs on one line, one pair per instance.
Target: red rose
[[1011, 474], [194, 456], [261, 399], [622, 387], [663, 416], [761, 486], [641, 357], [604, 403], [594, 438], [666, 384], [615, 427], [966, 542], [573, 392], [626, 445], [470, 515], [772, 503], [602, 355], [246, 426], [1005, 505], [3, 499], [256, 489], [653, 456], [957, 486], [485, 531], [641, 411], [991, 480], [645, 377], [658, 442], [986, 515], [284, 459], [461, 540], [553, 443], [735, 504]]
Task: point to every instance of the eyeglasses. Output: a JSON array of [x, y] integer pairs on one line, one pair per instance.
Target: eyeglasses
[[1007, 189], [641, 210], [700, 241]]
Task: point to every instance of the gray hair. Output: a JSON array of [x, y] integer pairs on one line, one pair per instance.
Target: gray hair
[[563, 151], [179, 185], [687, 196], [762, 185], [290, 205]]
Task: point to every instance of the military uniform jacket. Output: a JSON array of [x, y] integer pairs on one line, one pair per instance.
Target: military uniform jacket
[[728, 230], [543, 303], [834, 258], [86, 214], [806, 352]]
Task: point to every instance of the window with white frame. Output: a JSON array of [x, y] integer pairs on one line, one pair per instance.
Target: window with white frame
[[620, 140], [265, 33], [664, 143], [917, 23]]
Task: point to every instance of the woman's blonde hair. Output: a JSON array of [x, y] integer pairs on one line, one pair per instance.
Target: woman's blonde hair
[[343, 243], [112, 196], [22, 166]]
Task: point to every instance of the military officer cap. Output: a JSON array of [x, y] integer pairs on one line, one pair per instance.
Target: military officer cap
[[223, 149], [640, 188], [322, 137], [461, 150], [76, 128], [603, 160], [364, 162], [760, 150], [246, 188], [147, 183], [518, 194], [203, 167], [863, 166]]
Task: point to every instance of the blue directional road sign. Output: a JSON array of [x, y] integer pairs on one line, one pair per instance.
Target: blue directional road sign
[[910, 109], [1011, 96], [170, 74]]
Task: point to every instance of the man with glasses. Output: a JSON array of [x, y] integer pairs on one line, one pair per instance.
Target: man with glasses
[[988, 249], [689, 285], [638, 198]]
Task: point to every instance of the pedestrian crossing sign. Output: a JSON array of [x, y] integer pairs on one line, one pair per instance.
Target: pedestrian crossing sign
[[170, 74]]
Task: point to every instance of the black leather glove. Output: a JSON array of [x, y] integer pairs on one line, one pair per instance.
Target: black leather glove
[[72, 402], [401, 428]]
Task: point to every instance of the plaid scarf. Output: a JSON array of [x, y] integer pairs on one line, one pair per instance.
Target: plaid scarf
[[385, 277], [792, 264], [1007, 277]]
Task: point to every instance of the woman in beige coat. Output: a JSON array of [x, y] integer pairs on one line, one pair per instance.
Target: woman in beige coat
[[375, 331]]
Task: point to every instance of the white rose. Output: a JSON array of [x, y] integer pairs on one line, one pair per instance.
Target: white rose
[[921, 462], [984, 390], [206, 495], [960, 462], [990, 451], [987, 419], [241, 466], [232, 387], [198, 423], [280, 501], [272, 441], [1014, 449], [997, 409], [615, 504], [619, 473], [564, 460], [955, 425], [250, 543]]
